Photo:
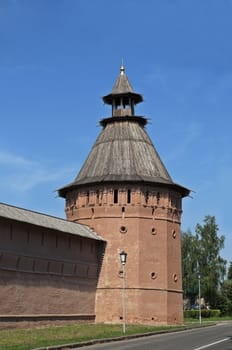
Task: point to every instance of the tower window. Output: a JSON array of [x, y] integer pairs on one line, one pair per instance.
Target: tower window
[[175, 278], [146, 196], [115, 196], [97, 196], [72, 209], [153, 231], [153, 275], [87, 197], [123, 229], [158, 197], [129, 196], [174, 234]]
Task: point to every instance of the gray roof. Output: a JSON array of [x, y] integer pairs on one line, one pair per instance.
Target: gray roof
[[46, 221], [123, 152], [122, 84]]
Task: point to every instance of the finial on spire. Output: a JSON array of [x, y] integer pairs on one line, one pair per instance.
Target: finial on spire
[[122, 68]]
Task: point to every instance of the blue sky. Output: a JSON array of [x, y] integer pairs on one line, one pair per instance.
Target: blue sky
[[59, 57]]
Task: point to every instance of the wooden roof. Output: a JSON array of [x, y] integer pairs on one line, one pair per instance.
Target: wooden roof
[[122, 84], [123, 152], [122, 87]]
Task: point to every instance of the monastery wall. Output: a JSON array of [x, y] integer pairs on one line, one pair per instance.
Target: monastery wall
[[45, 271]]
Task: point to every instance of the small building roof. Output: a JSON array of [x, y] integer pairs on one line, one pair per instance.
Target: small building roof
[[46, 221]]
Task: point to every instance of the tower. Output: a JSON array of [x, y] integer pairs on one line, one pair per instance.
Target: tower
[[125, 193]]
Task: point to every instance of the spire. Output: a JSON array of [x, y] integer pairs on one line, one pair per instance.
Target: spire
[[122, 98], [122, 84]]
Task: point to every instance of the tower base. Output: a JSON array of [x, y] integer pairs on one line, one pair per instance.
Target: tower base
[[143, 306]]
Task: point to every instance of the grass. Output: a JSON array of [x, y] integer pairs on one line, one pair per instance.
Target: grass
[[31, 338]]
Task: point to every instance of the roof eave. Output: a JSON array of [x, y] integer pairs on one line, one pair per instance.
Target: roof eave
[[93, 182], [108, 99]]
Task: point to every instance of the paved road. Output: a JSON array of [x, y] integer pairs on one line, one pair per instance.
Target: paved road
[[212, 338]]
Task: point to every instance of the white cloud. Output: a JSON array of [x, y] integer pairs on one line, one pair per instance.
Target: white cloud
[[20, 174], [7, 158], [27, 179]]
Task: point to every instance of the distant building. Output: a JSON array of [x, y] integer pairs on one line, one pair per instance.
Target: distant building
[[122, 199]]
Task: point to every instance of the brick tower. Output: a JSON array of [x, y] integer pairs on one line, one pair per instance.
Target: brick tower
[[125, 193]]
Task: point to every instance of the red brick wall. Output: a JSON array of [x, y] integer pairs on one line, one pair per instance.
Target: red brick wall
[[148, 229], [46, 271]]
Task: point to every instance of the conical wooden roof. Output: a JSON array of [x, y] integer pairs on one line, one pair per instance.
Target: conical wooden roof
[[123, 151], [122, 84]]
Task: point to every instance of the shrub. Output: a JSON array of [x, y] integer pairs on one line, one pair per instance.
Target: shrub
[[205, 313]]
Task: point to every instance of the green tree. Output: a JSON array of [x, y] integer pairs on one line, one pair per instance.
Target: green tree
[[225, 298], [212, 266], [189, 266], [201, 255], [229, 274], [224, 302]]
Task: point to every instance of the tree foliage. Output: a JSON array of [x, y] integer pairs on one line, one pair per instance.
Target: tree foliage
[[201, 256], [212, 266], [225, 295], [189, 266], [229, 275]]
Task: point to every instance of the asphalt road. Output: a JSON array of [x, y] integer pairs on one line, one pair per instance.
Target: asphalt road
[[217, 337]]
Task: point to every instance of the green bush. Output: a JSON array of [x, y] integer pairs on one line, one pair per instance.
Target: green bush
[[191, 313], [204, 313]]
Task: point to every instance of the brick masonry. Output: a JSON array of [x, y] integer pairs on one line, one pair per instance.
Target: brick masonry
[[46, 271], [144, 221]]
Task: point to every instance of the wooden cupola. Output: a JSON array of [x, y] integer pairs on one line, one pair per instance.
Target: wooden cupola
[[122, 98]]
